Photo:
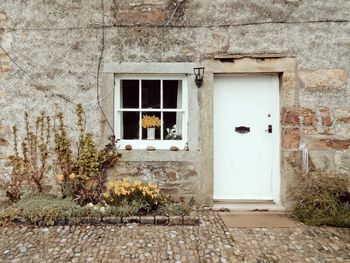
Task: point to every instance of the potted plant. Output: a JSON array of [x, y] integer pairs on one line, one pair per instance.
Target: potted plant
[[173, 134], [150, 123]]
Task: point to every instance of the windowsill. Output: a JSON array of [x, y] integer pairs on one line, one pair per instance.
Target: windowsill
[[158, 144], [139, 155]]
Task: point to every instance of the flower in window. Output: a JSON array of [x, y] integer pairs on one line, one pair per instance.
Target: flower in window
[[173, 134], [150, 121]]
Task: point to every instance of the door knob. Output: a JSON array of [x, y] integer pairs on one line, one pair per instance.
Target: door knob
[[269, 129]]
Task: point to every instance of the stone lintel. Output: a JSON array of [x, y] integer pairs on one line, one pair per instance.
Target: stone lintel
[[252, 65], [149, 68]]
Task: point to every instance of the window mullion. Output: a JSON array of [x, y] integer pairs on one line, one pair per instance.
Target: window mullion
[[140, 106], [161, 110]]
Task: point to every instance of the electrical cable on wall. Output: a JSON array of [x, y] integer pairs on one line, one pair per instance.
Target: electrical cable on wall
[[99, 67], [33, 79]]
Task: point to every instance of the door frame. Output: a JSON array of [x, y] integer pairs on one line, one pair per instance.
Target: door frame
[[275, 180], [287, 68]]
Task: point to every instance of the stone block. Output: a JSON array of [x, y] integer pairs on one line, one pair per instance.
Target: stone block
[[326, 116], [342, 161], [292, 159], [322, 160], [324, 79], [4, 142], [90, 220], [289, 85], [131, 219], [169, 191], [141, 16], [290, 117], [147, 220], [295, 116], [309, 130], [61, 221], [162, 220], [290, 138], [336, 144], [344, 119], [191, 173], [111, 220], [171, 176], [175, 220], [73, 221], [308, 117]]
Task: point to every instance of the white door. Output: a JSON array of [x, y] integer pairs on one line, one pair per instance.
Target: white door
[[246, 137]]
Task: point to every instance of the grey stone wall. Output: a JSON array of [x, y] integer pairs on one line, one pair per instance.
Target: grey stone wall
[[59, 44]]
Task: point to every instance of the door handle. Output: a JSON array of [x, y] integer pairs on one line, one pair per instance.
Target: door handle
[[269, 128]]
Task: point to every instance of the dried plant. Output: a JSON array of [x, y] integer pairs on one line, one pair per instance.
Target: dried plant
[[320, 198], [35, 149], [13, 186], [32, 165]]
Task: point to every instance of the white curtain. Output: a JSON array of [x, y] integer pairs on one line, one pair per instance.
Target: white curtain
[[179, 106]]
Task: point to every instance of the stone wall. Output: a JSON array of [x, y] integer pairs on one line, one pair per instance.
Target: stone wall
[[174, 178], [59, 44], [321, 119]]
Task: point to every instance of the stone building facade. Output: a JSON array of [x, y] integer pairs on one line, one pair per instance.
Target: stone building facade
[[306, 43]]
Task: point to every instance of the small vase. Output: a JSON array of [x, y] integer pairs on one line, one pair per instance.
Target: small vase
[[151, 133]]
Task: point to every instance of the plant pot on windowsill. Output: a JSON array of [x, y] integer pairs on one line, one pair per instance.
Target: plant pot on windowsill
[[151, 132]]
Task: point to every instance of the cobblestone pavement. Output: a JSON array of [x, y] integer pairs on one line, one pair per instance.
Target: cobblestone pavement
[[209, 242], [300, 244]]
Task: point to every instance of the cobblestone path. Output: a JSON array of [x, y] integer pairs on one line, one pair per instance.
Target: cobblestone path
[[208, 242], [300, 244]]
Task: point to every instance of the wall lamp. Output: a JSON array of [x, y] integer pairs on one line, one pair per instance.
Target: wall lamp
[[198, 74]]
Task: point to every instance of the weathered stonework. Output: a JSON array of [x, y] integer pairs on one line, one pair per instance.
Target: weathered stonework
[[324, 79], [174, 178], [59, 44]]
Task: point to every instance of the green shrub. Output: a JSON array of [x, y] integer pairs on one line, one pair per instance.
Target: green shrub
[[318, 199], [42, 209], [84, 171], [173, 209]]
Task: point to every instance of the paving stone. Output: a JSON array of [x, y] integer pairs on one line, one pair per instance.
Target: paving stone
[[295, 244]]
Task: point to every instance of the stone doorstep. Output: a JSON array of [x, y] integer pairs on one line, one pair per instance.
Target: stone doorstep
[[143, 220]]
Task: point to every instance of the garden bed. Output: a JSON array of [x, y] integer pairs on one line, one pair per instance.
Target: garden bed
[[49, 210], [189, 220]]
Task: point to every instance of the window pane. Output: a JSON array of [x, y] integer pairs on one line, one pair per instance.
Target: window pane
[[172, 125], [172, 94], [151, 120], [151, 94], [129, 93], [130, 125]]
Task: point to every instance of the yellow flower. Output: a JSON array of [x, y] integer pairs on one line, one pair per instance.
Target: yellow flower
[[137, 184], [60, 177], [150, 121], [72, 176], [152, 186], [125, 183], [106, 195]]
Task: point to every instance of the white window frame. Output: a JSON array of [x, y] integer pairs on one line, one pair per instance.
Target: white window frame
[[158, 144]]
